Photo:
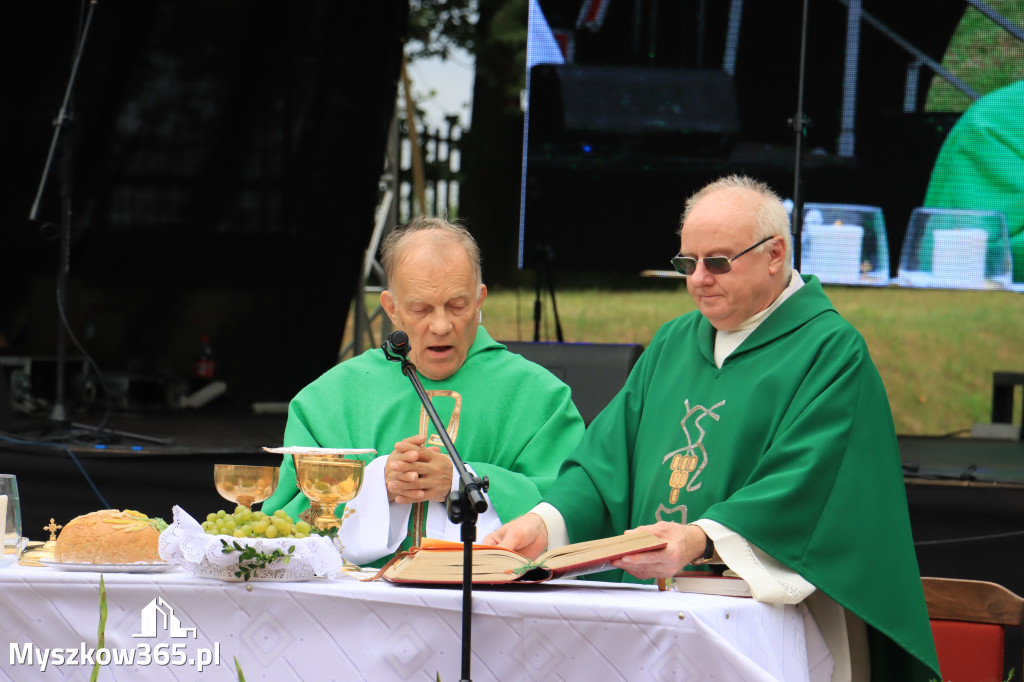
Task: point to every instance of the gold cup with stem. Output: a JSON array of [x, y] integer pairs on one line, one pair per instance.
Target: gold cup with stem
[[245, 484], [328, 480], [315, 507]]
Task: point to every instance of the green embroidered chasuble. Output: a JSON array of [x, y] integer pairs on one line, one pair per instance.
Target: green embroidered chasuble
[[790, 444]]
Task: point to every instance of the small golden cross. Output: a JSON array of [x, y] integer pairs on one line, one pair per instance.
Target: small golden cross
[[53, 527]]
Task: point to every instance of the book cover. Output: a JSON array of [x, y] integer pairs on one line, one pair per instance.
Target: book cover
[[439, 561], [728, 584]]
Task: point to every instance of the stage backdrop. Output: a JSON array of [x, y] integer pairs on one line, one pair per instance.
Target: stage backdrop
[[225, 159]]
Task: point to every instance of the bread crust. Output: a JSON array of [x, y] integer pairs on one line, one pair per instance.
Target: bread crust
[[108, 536]]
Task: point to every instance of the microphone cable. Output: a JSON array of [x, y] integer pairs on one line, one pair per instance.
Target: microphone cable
[[6, 438]]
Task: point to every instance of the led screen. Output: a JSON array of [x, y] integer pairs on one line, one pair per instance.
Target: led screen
[[907, 171]]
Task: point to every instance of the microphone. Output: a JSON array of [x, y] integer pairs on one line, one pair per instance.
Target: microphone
[[396, 345]]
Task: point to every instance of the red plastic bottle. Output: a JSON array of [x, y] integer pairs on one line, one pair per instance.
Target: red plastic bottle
[[203, 368]]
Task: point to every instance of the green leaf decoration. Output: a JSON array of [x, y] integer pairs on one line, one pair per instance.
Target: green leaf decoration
[[250, 561], [327, 533], [101, 639], [528, 567]]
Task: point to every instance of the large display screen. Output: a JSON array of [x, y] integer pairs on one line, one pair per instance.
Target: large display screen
[[911, 161]]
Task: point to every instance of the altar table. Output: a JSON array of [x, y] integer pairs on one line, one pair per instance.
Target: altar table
[[178, 627]]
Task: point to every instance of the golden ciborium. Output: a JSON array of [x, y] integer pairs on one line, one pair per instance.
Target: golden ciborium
[[245, 484], [328, 480]]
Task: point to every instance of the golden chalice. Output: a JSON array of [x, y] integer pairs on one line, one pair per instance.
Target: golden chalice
[[328, 480], [316, 504], [245, 484], [315, 508]]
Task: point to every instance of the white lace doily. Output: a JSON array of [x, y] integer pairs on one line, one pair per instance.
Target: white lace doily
[[185, 542]]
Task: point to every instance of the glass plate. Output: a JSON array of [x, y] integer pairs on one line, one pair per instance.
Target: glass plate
[[110, 568]]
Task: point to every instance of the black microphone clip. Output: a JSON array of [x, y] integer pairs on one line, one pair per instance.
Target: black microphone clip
[[396, 346]]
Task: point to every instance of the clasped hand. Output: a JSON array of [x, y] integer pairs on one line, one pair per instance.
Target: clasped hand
[[415, 473]]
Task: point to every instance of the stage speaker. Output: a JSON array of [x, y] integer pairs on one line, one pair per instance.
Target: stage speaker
[[594, 371], [617, 110]]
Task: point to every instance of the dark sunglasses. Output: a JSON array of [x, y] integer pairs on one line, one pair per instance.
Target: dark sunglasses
[[716, 265]]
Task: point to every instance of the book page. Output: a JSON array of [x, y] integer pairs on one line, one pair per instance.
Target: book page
[[441, 561], [605, 549]]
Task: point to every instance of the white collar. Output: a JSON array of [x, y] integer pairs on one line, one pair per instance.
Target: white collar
[[728, 341], [795, 282]]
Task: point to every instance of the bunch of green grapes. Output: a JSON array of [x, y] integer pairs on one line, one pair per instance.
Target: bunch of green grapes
[[244, 523]]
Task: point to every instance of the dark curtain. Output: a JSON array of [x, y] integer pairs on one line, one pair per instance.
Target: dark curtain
[[225, 158]]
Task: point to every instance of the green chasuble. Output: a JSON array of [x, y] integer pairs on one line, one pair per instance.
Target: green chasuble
[[511, 420], [790, 444], [981, 165]]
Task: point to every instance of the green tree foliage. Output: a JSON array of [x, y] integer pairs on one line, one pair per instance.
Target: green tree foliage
[[438, 26], [494, 32], [982, 54]]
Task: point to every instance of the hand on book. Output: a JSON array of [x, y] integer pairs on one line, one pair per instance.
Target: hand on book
[[527, 535], [685, 544], [415, 473]]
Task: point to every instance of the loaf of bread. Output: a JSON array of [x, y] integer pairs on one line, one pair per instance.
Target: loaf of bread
[[110, 536]]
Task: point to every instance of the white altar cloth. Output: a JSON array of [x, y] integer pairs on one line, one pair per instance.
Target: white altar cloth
[[349, 630]]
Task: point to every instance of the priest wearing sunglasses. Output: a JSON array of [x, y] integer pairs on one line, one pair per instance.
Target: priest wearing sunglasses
[[755, 433]]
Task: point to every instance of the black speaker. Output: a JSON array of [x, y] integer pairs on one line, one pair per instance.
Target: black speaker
[[615, 110], [594, 371]]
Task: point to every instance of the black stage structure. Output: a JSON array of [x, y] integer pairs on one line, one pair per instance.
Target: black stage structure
[[226, 158]]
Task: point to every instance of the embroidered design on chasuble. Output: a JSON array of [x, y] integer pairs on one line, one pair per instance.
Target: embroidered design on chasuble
[[418, 519], [687, 463]]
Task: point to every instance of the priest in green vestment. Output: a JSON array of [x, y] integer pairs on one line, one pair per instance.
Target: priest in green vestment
[[755, 432], [981, 165], [510, 419]]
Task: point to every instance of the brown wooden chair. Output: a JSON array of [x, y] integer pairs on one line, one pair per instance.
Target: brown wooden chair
[[968, 620]]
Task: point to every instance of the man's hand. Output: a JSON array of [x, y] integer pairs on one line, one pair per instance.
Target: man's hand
[[527, 535], [417, 474], [685, 543]]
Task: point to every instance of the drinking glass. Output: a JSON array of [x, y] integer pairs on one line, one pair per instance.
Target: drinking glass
[[10, 520]]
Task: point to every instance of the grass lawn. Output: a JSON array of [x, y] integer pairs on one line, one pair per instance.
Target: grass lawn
[[936, 350]]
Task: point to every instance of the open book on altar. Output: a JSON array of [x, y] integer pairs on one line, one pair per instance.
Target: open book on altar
[[440, 561]]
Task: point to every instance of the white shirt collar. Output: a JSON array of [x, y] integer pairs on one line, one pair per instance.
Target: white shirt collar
[[728, 341]]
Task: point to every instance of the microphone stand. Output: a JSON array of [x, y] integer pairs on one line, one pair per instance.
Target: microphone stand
[[463, 505], [546, 250], [60, 415], [799, 123]]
